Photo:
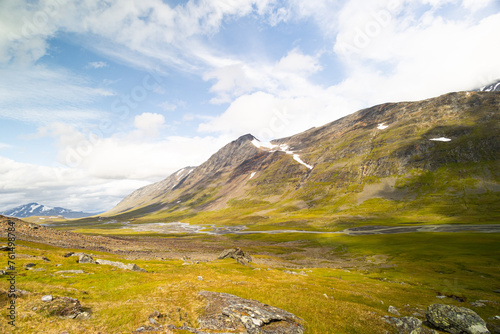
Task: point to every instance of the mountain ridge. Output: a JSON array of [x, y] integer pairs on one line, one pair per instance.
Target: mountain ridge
[[35, 209], [382, 152]]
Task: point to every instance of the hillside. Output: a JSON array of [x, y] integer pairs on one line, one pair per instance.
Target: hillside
[[429, 160]]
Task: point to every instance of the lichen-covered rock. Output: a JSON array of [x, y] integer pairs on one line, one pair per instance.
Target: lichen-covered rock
[[85, 258], [128, 266], [236, 253], [409, 325], [229, 313], [455, 320]]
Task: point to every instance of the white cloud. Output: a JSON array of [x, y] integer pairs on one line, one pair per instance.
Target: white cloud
[[4, 146], [97, 64], [59, 186], [167, 106], [149, 124], [40, 95]]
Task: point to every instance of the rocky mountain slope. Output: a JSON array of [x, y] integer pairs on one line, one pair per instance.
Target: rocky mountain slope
[[494, 87], [35, 209], [437, 158]]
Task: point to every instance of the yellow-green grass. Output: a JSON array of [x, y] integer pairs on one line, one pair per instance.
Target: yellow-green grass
[[421, 265]]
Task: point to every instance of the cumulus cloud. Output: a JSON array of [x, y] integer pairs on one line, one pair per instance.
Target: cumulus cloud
[[149, 124], [59, 186], [97, 64]]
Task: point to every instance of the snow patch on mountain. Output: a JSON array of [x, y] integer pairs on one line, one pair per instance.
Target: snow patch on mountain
[[281, 148]]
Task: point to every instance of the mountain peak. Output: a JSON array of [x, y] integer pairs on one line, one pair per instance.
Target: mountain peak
[[247, 137]]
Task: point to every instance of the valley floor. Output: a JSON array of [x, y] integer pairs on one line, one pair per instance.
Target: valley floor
[[336, 283]]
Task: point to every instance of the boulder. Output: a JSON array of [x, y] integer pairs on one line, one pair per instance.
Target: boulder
[[225, 312], [85, 258], [236, 253], [129, 266], [409, 325], [455, 320]]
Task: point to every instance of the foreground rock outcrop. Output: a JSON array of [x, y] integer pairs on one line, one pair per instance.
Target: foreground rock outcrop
[[64, 307], [232, 314], [455, 320], [236, 253]]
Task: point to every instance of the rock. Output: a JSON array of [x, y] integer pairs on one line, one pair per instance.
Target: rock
[[455, 320], [225, 312], [3, 272], [5, 248], [200, 278], [28, 266], [68, 254], [70, 272], [409, 325], [45, 259], [47, 298], [83, 316], [477, 304], [85, 258], [129, 266], [236, 253], [65, 308], [496, 291], [393, 310]]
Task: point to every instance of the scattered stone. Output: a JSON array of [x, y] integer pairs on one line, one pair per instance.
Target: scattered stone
[[441, 297], [70, 272], [34, 308], [5, 248], [28, 266], [236, 253], [47, 298], [497, 291], [68, 254], [477, 304], [85, 258], [393, 310], [497, 317], [225, 312], [200, 278], [3, 272], [455, 320], [58, 265], [39, 269], [83, 316], [45, 259], [129, 266], [408, 325], [303, 273]]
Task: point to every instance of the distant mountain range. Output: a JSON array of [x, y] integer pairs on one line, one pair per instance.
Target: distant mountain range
[[410, 161], [35, 209]]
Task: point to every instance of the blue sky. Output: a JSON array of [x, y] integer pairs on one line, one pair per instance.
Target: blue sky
[[99, 98]]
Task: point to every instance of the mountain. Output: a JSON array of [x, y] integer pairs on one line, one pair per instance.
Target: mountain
[[430, 160], [35, 209], [494, 87]]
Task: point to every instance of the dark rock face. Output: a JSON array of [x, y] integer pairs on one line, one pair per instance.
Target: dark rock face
[[236, 253], [455, 320], [229, 313]]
